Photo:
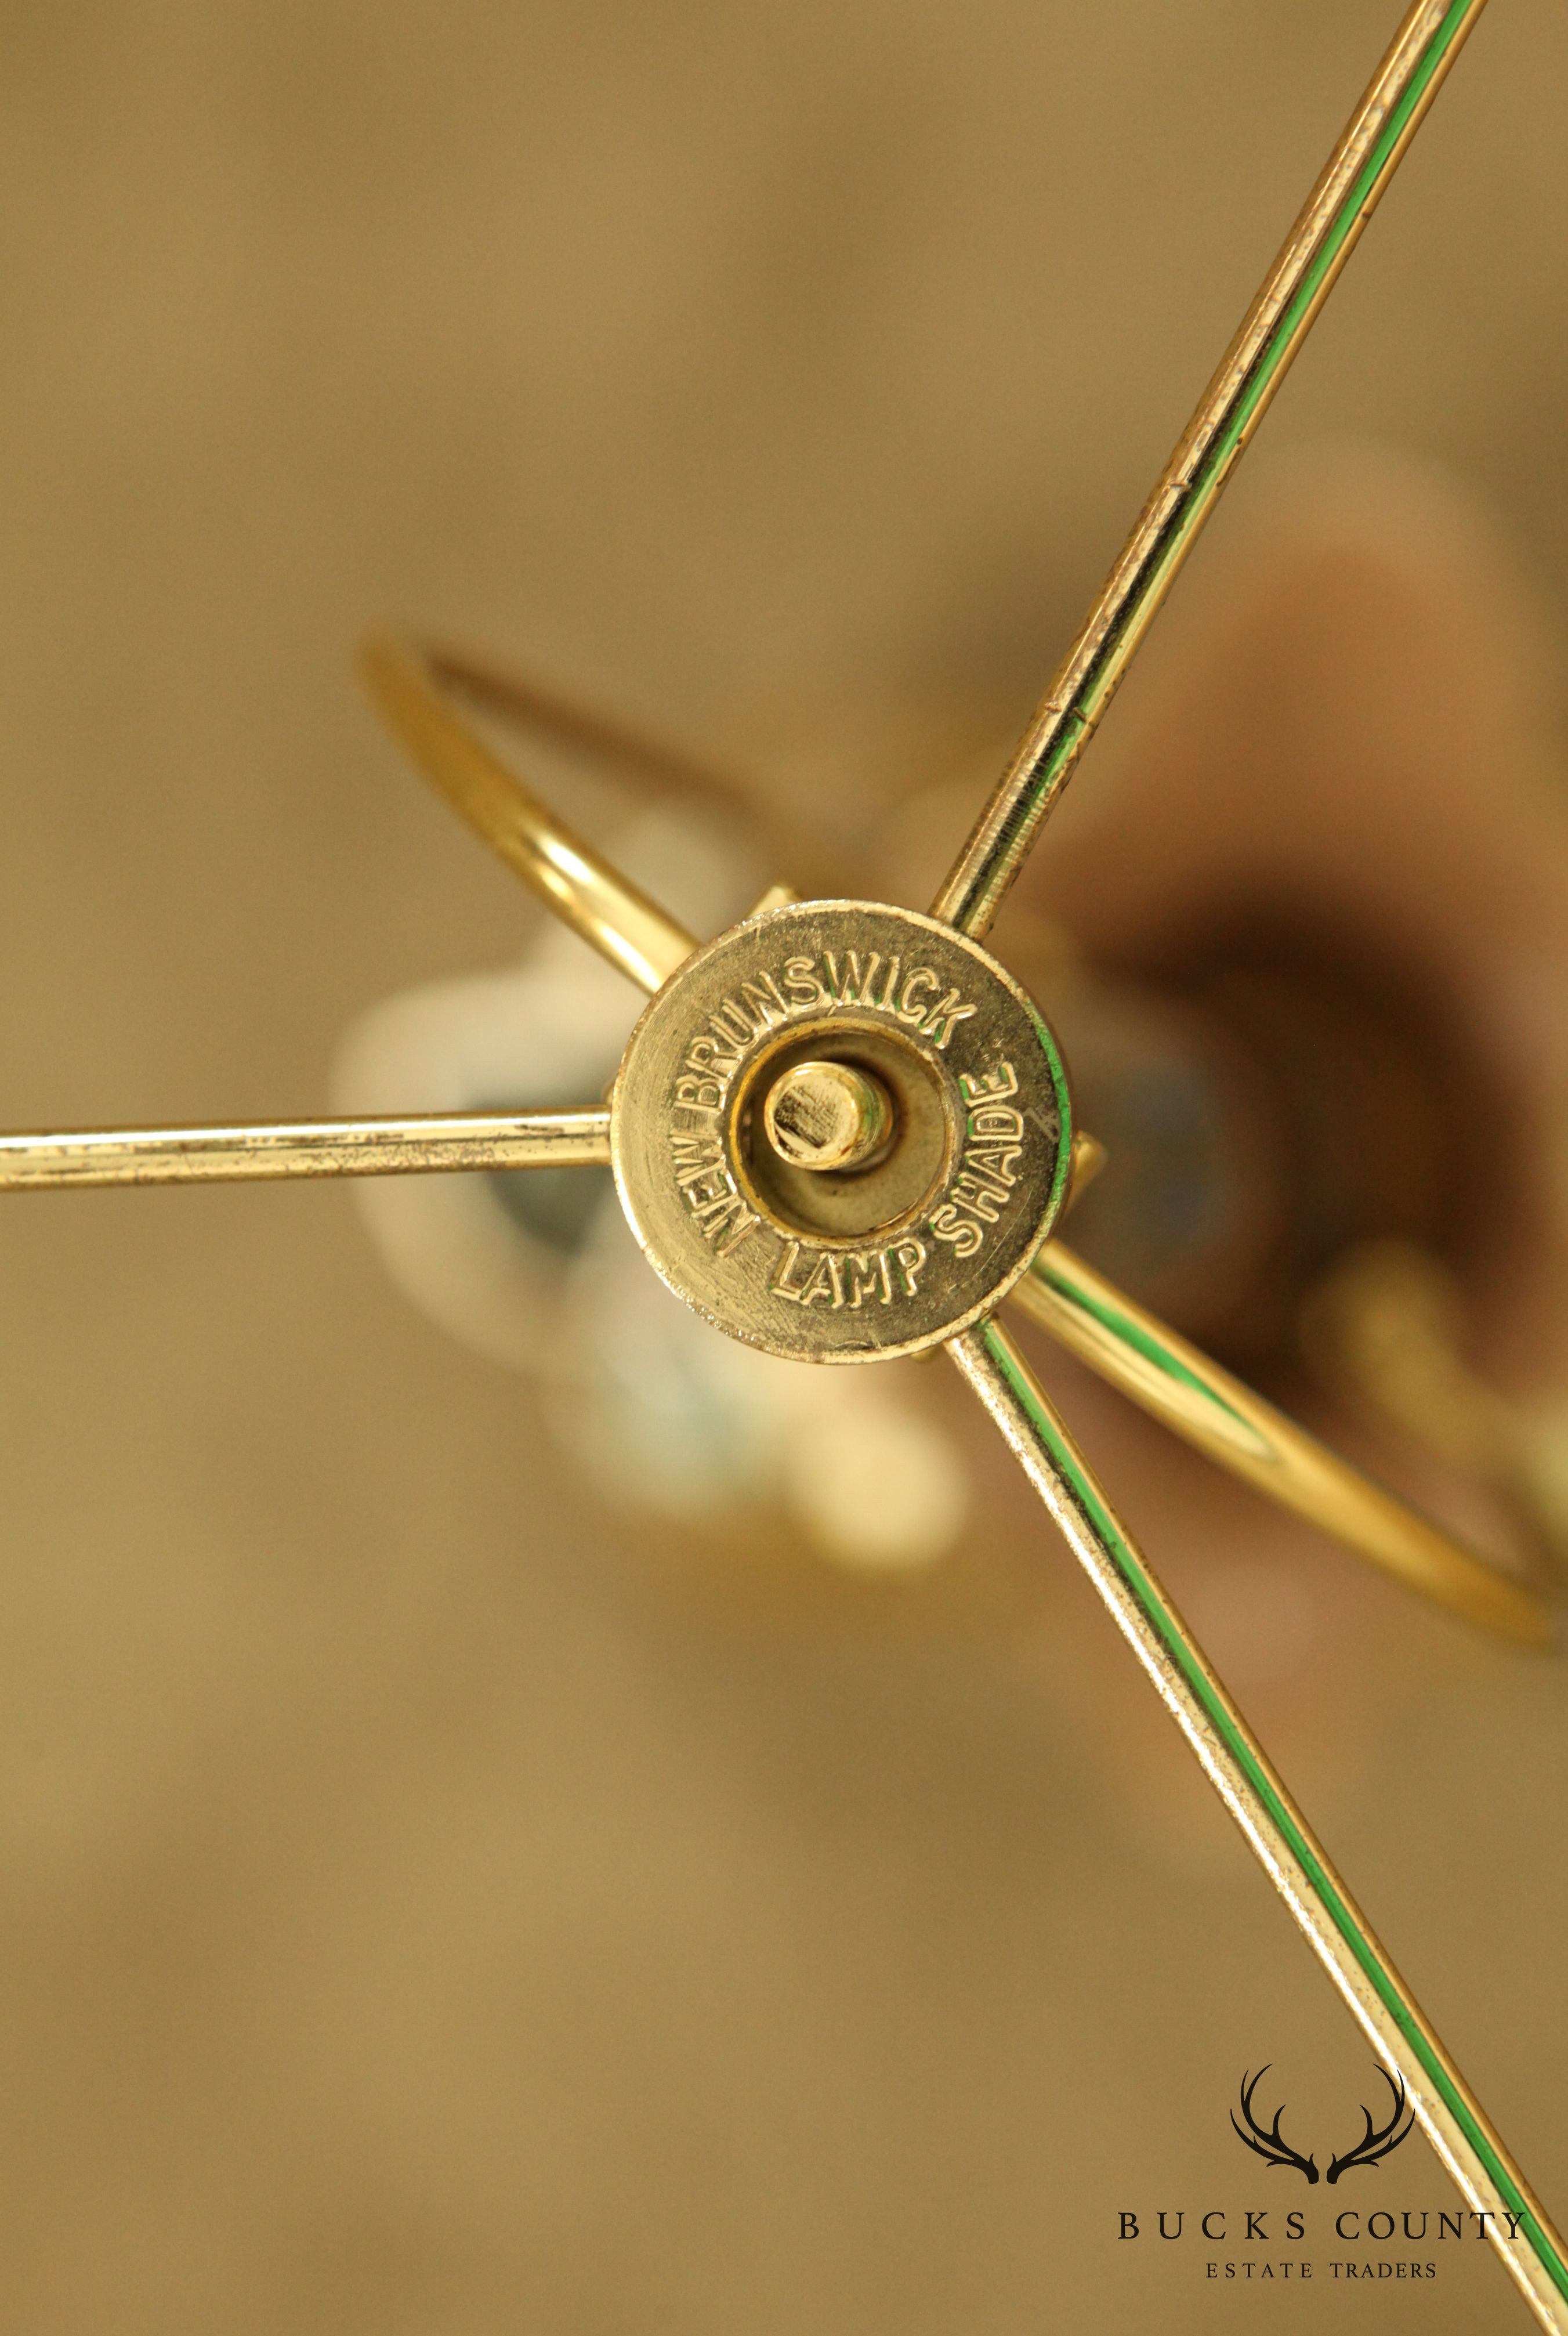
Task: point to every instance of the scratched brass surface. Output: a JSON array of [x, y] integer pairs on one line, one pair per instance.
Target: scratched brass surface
[[870, 1265], [343, 1744], [430, 1143]]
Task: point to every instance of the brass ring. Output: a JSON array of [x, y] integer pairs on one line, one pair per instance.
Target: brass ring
[[1221, 1416], [422, 692]]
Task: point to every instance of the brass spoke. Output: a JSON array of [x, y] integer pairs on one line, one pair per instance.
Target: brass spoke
[[422, 1144], [1275, 1829], [415, 689], [1225, 1420], [1233, 404]]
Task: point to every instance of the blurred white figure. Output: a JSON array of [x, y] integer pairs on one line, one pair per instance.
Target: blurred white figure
[[538, 1269]]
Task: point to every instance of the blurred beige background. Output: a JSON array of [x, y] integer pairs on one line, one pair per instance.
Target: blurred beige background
[[422, 1906]]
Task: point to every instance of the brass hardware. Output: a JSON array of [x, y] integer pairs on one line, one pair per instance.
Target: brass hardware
[[1384, 1330], [1278, 1834], [415, 689], [1272, 333], [777, 896], [891, 1258], [428, 1142], [1208, 1407], [828, 1115], [916, 1246], [1089, 1156]]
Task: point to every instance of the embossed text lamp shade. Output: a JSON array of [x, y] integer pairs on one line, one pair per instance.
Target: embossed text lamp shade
[[842, 1132]]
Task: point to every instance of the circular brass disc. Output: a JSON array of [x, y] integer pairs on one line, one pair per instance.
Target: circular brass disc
[[865, 1264]]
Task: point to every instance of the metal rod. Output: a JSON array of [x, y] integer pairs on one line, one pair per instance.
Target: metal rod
[[1280, 1837], [416, 692], [1233, 404], [542, 711], [1192, 1396], [321, 1147]]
